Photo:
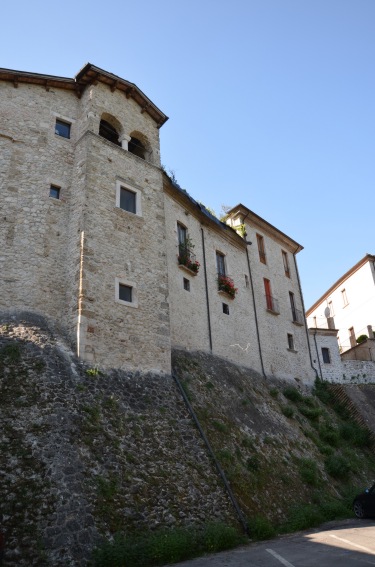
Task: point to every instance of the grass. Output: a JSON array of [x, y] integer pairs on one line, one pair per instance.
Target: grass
[[309, 472], [337, 466], [288, 411], [166, 546], [292, 394]]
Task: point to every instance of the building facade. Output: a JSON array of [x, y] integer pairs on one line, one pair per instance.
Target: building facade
[[96, 237], [348, 305]]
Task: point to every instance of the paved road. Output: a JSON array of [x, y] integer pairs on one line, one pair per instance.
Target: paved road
[[349, 543]]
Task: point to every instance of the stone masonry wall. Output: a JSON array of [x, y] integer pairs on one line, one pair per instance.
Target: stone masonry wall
[[33, 237], [234, 335], [119, 244], [277, 358], [61, 257], [84, 455]]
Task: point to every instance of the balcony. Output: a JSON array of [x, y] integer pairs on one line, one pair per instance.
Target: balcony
[[297, 317], [225, 284], [187, 260], [272, 304]]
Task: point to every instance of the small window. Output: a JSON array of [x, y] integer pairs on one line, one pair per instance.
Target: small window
[[261, 249], [220, 263], [62, 128], [54, 192], [344, 297], [125, 293], [290, 342], [286, 264], [325, 355], [247, 283], [225, 309], [186, 284], [128, 200]]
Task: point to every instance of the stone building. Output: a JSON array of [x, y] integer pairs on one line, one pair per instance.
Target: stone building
[[96, 237]]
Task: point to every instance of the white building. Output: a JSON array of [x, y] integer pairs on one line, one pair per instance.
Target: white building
[[348, 305]]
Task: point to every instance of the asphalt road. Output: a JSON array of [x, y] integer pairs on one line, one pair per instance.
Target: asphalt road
[[349, 543]]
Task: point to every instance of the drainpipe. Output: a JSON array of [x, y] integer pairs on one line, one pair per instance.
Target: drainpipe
[[255, 311], [317, 354], [304, 314], [207, 300], [212, 454]]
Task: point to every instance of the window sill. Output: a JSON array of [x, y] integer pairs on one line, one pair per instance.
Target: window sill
[[273, 312], [298, 324], [292, 350], [186, 269], [225, 294]]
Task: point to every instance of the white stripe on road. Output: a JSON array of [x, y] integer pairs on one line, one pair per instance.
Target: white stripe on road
[[354, 544], [281, 559]]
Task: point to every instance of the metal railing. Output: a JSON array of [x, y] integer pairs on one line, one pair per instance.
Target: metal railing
[[297, 316], [272, 304]]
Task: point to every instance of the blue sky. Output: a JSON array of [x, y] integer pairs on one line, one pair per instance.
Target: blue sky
[[271, 103]]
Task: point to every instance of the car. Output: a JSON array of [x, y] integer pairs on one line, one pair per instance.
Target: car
[[364, 503]]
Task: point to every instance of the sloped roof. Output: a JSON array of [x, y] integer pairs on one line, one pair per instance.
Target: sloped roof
[[88, 75], [264, 225], [367, 258]]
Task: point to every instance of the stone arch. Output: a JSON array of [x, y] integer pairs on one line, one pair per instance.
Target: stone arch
[[110, 128], [139, 145]]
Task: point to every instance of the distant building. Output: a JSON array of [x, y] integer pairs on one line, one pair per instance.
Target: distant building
[[340, 317], [96, 237], [348, 305]]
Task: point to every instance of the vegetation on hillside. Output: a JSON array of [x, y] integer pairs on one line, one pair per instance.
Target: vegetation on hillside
[[293, 456]]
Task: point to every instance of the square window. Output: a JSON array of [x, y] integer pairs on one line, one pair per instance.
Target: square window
[[125, 293], [326, 356], [62, 128], [54, 192], [290, 342], [225, 308], [186, 284], [127, 200]]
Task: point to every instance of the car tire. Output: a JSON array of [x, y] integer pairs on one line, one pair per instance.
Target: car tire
[[359, 510]]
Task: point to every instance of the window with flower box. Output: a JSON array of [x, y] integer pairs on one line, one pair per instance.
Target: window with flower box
[[186, 257]]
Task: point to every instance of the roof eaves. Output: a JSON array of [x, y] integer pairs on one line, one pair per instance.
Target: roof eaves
[[367, 258], [240, 208]]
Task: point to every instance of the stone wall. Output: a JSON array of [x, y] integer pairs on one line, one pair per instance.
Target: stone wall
[[278, 359], [62, 257], [85, 455], [233, 335]]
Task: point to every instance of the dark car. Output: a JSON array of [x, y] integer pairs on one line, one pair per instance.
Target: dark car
[[364, 503]]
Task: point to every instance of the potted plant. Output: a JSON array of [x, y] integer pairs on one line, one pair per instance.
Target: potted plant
[[226, 284], [186, 257]]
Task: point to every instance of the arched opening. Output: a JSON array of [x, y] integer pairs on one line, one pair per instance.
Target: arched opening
[[109, 132], [137, 148]]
